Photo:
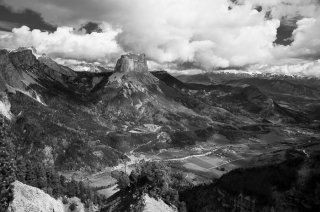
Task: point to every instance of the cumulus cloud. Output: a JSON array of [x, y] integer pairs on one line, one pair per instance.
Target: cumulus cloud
[[66, 42], [174, 30], [207, 33], [306, 42], [200, 31]]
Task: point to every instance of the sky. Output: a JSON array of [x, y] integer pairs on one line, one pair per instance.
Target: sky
[[208, 35]]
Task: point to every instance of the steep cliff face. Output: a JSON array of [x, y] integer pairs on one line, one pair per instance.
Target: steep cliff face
[[9, 75], [133, 69], [132, 63]]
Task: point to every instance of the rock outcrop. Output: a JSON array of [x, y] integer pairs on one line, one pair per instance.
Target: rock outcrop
[[132, 69], [5, 106], [132, 63], [153, 205], [31, 199]]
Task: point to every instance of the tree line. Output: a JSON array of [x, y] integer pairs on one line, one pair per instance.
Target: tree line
[[34, 173]]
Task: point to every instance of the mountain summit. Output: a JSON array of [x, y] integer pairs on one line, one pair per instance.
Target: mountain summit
[[132, 70], [132, 63]]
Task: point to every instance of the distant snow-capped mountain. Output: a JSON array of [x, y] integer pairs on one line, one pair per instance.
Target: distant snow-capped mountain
[[302, 69], [90, 67]]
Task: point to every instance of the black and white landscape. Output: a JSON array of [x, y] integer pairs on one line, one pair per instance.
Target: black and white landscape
[[159, 105]]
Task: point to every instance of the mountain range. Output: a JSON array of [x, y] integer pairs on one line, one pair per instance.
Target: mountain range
[[76, 120]]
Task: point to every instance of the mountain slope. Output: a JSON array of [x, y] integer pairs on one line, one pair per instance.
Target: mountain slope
[[287, 185], [76, 120], [293, 98]]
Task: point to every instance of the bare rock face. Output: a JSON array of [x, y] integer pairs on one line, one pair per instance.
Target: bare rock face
[[23, 57], [31, 199], [132, 63], [5, 106], [153, 205], [132, 69]]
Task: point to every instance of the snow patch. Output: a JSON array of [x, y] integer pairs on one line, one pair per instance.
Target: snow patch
[[34, 52]]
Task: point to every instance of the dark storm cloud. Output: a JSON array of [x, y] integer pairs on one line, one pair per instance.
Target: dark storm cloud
[[91, 27], [10, 19], [8, 25], [285, 31]]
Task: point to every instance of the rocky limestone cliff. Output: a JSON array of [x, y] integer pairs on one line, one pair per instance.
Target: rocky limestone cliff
[[132, 63], [153, 205], [9, 75], [132, 70], [23, 57], [5, 106], [30, 199]]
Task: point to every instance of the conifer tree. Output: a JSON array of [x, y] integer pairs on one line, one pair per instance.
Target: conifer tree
[[56, 186], [63, 183], [21, 170], [41, 176], [49, 174], [31, 178], [73, 188], [7, 167]]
